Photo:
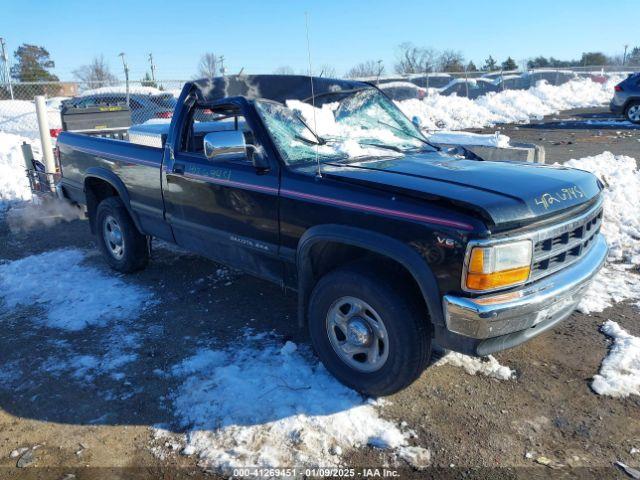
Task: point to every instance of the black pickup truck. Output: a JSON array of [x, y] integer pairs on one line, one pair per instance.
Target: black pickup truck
[[391, 243]]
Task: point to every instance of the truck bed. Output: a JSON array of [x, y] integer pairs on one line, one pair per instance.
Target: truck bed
[[120, 162]]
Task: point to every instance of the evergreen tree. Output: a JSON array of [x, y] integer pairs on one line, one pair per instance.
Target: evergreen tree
[[509, 64], [594, 58], [490, 64], [33, 64]]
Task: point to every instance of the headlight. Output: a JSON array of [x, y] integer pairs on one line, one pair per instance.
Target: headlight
[[498, 266]]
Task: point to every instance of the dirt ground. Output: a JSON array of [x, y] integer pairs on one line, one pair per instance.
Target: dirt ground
[[475, 426]]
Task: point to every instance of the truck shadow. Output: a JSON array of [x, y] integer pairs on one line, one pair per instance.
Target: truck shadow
[[208, 334]]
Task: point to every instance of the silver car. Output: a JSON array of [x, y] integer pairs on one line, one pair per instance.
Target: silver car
[[626, 99]]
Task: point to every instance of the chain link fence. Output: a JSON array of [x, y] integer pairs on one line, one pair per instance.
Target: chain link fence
[[155, 100]]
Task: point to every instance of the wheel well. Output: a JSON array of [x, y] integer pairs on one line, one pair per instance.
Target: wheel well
[[630, 102], [325, 256], [96, 190]]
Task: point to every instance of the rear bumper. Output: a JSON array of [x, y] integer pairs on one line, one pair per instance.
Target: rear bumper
[[490, 323], [614, 107]]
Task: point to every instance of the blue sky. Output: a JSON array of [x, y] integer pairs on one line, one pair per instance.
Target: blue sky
[[262, 35]]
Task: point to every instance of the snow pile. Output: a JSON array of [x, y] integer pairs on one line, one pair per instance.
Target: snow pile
[[18, 124], [487, 366], [509, 106], [19, 117], [133, 89], [76, 296], [257, 403], [620, 371], [620, 226], [13, 180], [463, 138]]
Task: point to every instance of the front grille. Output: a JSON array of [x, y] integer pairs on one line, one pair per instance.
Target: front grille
[[558, 246]]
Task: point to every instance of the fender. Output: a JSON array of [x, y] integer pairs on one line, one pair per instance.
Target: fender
[[376, 242], [113, 180]]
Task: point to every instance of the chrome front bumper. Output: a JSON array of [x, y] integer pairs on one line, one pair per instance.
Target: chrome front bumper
[[546, 301]]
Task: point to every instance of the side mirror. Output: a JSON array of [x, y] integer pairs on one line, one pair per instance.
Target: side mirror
[[228, 144], [224, 144], [417, 122]]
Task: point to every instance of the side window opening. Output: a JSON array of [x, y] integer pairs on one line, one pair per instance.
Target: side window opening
[[205, 120]]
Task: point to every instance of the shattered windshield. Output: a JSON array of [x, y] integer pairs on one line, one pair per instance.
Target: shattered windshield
[[356, 124]]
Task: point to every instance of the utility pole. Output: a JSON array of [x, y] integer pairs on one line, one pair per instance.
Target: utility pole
[[5, 66], [153, 68], [222, 69], [624, 55], [126, 74]]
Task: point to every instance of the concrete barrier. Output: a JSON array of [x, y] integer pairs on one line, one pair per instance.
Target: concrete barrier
[[520, 152]]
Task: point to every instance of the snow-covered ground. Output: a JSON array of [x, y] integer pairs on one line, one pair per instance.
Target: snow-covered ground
[[487, 366], [14, 185], [18, 117], [619, 374], [620, 226], [79, 297], [261, 403], [620, 371]]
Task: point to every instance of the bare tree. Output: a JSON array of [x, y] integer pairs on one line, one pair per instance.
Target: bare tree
[[96, 74], [370, 68], [284, 70], [208, 66], [327, 71], [451, 61], [412, 59]]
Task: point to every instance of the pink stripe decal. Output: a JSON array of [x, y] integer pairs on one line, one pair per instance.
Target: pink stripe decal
[[231, 183], [333, 201], [385, 211], [118, 157]]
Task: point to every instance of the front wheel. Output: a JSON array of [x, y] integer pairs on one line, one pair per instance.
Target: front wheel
[[633, 112], [122, 245], [370, 334]]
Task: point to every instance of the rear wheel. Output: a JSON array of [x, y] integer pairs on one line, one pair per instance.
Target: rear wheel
[[371, 335], [122, 245], [633, 112]]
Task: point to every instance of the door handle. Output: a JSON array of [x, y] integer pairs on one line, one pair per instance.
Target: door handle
[[178, 168]]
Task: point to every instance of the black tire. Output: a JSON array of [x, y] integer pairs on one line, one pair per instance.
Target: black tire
[[635, 107], [407, 326], [135, 254]]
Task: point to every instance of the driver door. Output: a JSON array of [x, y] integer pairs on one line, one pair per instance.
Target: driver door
[[224, 208]]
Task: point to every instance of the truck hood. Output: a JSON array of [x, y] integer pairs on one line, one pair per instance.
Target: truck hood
[[505, 192]]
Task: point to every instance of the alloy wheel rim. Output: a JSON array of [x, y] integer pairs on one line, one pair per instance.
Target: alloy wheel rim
[[634, 113], [357, 334], [113, 239]]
